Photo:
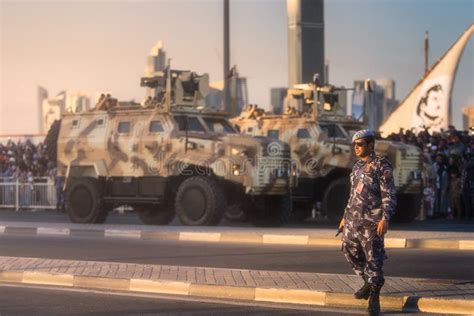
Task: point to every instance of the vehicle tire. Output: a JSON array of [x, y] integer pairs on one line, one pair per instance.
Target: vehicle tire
[[235, 213], [408, 207], [271, 211], [199, 201], [51, 141], [156, 214], [84, 201], [335, 199]]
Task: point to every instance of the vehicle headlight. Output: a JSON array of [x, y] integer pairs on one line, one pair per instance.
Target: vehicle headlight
[[235, 151], [236, 169], [238, 151]]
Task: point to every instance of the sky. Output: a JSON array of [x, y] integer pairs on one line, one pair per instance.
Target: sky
[[102, 45]]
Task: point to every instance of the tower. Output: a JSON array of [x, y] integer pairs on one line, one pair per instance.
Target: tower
[[305, 40]]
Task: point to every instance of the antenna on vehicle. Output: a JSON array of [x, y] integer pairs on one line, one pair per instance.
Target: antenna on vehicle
[[168, 86]]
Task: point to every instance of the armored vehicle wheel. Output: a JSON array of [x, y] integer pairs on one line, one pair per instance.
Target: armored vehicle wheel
[[51, 140], [84, 201], [156, 215], [335, 199], [271, 211], [235, 213], [408, 207], [199, 201]]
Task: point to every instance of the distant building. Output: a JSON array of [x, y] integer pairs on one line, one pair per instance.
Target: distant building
[[215, 97], [305, 40], [373, 107], [389, 100], [468, 117], [63, 102], [277, 98], [342, 99], [238, 94], [42, 95], [156, 62]]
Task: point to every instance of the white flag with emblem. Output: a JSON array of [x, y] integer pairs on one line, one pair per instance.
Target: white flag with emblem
[[428, 103]]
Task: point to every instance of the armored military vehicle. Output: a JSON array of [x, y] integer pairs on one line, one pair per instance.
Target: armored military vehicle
[[321, 147], [171, 155]]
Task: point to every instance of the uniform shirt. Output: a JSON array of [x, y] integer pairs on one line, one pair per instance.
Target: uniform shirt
[[372, 191]]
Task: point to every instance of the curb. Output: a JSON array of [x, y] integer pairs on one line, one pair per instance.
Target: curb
[[232, 237], [273, 295]]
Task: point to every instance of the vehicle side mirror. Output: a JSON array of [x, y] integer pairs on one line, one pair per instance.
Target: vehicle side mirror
[[191, 145]]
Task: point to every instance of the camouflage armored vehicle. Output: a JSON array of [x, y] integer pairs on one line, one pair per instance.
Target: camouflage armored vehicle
[[322, 151], [169, 156]]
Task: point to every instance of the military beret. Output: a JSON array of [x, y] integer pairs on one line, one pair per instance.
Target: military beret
[[363, 133]]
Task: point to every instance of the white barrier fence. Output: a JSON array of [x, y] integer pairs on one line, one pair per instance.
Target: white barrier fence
[[37, 194]]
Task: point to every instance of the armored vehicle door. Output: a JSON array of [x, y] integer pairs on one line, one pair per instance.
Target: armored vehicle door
[[125, 139], [155, 144], [303, 140]]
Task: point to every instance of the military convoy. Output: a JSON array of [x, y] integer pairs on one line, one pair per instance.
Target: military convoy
[[170, 156], [320, 139]]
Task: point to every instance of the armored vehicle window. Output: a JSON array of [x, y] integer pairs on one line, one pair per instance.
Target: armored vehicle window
[[332, 130], [189, 123], [303, 133], [75, 123], [273, 133], [124, 127], [100, 122], [218, 125], [155, 127], [249, 130]]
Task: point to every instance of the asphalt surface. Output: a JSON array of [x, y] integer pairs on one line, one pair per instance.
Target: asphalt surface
[[417, 263], [38, 301], [130, 218]]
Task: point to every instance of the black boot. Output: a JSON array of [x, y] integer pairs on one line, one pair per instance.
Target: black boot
[[364, 291], [374, 301]]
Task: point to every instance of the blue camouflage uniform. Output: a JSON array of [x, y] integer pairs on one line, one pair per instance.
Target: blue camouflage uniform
[[372, 198]]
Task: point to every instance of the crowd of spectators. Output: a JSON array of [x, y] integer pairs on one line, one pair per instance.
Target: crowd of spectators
[[23, 160], [28, 164], [448, 171]]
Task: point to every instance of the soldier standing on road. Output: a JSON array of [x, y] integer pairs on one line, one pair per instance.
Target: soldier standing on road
[[371, 205]]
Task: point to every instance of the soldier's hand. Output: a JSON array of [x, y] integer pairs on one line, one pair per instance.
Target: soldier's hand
[[382, 227], [341, 224]]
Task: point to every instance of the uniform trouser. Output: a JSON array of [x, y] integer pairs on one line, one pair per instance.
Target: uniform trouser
[[364, 250]]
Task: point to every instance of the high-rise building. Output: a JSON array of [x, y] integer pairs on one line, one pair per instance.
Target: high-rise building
[[373, 107], [305, 40], [42, 95], [277, 98], [468, 118], [342, 99], [156, 62], [238, 94], [389, 100], [65, 101]]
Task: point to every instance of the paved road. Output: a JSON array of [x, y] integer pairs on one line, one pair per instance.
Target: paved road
[[38, 301], [132, 219], [418, 263]]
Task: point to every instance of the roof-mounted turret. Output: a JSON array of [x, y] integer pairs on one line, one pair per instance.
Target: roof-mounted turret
[[176, 88], [316, 100]]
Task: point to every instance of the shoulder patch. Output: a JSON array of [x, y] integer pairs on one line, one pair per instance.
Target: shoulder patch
[[387, 174]]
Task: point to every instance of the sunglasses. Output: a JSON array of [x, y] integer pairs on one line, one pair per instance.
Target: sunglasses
[[359, 144]]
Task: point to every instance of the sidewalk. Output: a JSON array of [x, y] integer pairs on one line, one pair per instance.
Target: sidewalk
[[284, 236], [398, 294]]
